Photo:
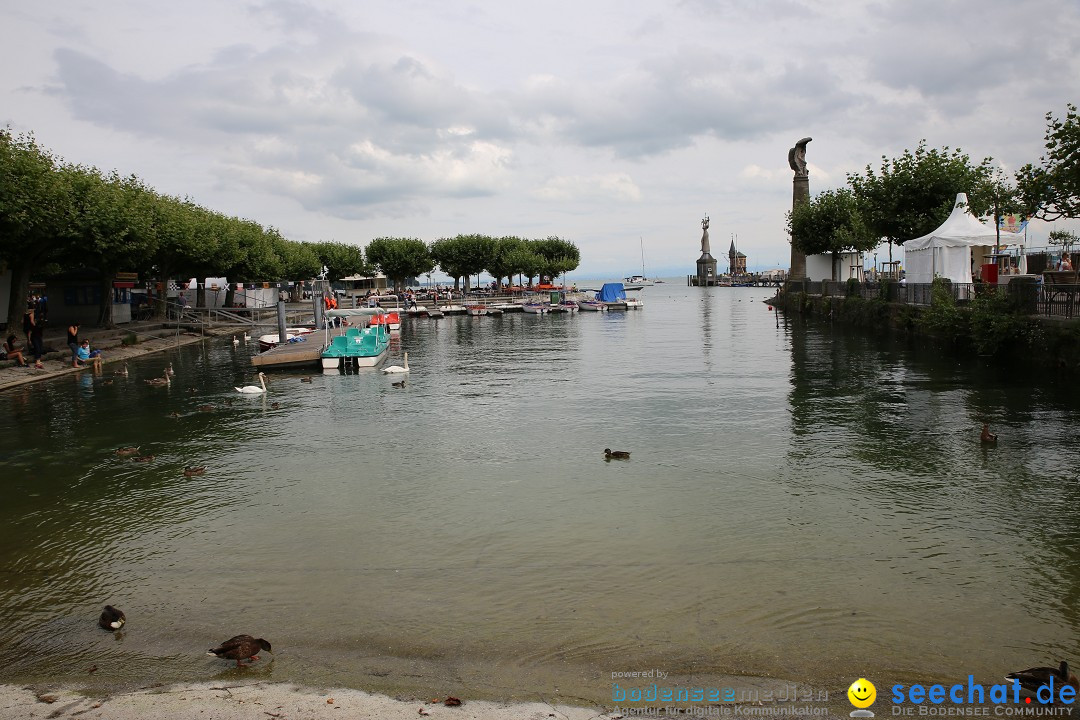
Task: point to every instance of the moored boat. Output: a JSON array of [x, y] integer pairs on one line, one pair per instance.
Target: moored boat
[[272, 340], [536, 308], [392, 320], [591, 306], [476, 310], [365, 347]]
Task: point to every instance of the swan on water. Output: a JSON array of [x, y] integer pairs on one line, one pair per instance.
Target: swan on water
[[254, 388], [398, 368]]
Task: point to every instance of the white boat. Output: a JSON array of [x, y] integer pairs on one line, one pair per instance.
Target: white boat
[[633, 303], [476, 310], [591, 306], [536, 308], [636, 282], [291, 334]]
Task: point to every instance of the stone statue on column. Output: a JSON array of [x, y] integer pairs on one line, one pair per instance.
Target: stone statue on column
[[705, 236], [800, 194]]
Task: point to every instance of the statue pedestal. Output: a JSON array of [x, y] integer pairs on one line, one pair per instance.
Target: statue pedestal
[[706, 270]]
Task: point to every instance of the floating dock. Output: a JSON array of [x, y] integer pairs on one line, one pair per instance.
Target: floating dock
[[297, 354]]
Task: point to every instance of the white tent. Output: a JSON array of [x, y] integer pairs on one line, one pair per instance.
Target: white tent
[[947, 252]]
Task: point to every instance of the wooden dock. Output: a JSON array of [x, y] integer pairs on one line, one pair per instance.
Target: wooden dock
[[304, 354]]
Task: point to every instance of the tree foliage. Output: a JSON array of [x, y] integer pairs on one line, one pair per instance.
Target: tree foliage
[[399, 258], [913, 194], [832, 223], [558, 255], [340, 260], [1051, 191]]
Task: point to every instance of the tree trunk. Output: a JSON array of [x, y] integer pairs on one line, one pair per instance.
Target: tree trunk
[[20, 288], [161, 304], [105, 314]]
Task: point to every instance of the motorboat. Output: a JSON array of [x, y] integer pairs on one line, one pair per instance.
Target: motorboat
[[358, 347], [536, 308], [272, 340], [566, 306], [591, 306], [613, 295], [476, 310]]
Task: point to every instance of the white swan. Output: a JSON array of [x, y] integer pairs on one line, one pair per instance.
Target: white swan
[[247, 336], [398, 368], [251, 389], [235, 340]]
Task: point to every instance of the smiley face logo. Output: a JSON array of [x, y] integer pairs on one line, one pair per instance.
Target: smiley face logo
[[862, 693]]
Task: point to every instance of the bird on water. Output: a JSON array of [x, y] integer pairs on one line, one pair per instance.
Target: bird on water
[[987, 437], [1034, 678], [111, 618], [610, 454], [241, 647]]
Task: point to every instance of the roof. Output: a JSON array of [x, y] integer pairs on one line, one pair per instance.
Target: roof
[[959, 229]]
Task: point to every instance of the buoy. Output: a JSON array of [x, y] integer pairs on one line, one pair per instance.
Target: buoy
[[770, 308]]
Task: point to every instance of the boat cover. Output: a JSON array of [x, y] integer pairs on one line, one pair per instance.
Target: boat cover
[[611, 292]]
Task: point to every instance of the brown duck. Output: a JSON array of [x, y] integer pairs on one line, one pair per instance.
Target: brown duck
[[111, 618], [127, 451], [610, 454], [1034, 678], [241, 647], [190, 471]]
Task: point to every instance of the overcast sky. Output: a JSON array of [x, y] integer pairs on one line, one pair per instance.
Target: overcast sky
[[609, 123]]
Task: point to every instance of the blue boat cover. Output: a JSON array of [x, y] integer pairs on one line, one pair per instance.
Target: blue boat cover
[[611, 292]]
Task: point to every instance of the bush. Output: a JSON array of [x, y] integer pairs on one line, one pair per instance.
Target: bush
[[995, 325], [943, 318], [130, 339]]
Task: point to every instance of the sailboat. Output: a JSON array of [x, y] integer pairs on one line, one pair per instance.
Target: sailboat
[[638, 281]]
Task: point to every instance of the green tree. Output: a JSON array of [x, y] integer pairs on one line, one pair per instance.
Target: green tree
[[832, 223], [113, 227], [502, 265], [341, 260], [913, 194], [558, 256], [399, 258], [302, 261], [463, 256], [35, 208], [1052, 190]]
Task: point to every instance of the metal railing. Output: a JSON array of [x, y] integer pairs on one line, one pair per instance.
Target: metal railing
[[1051, 299]]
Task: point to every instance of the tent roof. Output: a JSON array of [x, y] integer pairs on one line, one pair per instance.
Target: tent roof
[[959, 229]]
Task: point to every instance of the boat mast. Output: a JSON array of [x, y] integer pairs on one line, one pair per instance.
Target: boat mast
[[642, 256]]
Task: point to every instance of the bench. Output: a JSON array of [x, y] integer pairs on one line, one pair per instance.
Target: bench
[[1059, 292]]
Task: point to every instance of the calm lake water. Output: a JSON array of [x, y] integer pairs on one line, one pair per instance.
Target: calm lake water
[[800, 503]]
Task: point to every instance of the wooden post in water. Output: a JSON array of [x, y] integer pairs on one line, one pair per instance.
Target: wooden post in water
[[316, 304], [281, 322]]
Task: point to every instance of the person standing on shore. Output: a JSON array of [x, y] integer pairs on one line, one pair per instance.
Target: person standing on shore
[[28, 321], [37, 343], [73, 342]]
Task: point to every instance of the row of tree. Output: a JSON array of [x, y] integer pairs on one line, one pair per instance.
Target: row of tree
[[912, 195], [58, 217], [463, 256]]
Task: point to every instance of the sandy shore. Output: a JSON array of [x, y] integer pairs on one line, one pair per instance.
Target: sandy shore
[[215, 701]]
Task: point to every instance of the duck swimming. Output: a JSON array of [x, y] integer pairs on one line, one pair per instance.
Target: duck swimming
[[610, 454], [111, 618], [399, 384], [987, 437], [1034, 678], [190, 471], [127, 451], [241, 647]]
